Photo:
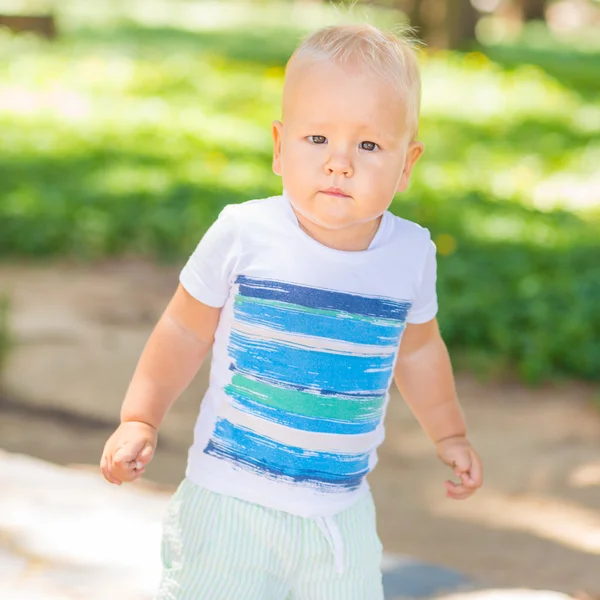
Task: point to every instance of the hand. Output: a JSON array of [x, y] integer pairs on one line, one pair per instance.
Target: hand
[[458, 453], [127, 452]]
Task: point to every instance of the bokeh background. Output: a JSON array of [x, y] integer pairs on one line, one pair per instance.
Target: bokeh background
[[125, 127]]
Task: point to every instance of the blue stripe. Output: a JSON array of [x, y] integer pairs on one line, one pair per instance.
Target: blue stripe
[[302, 422], [336, 327], [326, 372], [292, 386], [263, 455], [281, 291]]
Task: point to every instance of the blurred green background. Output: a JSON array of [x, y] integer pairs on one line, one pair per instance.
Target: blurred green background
[[127, 133]]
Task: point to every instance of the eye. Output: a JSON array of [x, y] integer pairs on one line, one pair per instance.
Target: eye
[[317, 139], [369, 146]]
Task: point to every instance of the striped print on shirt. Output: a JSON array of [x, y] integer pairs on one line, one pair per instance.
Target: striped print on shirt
[[313, 360]]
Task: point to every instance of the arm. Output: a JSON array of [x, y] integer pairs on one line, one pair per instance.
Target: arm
[[423, 375], [173, 354]]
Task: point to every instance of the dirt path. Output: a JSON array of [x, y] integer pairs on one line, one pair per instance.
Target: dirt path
[[536, 523]]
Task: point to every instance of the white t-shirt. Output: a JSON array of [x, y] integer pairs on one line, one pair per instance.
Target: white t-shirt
[[303, 354]]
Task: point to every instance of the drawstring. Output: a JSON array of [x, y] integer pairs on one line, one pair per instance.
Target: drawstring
[[332, 533]]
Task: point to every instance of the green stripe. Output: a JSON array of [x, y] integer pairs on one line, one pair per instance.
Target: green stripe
[[241, 300], [307, 404]]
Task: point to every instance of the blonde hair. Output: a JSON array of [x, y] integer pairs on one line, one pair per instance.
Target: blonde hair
[[391, 56]]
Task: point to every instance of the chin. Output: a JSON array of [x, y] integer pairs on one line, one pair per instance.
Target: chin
[[332, 223]]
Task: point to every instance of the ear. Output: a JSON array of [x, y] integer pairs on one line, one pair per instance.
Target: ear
[[414, 152], [276, 130]]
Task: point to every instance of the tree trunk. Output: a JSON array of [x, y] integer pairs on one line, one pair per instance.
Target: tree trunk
[[428, 18], [461, 19], [43, 25], [533, 10], [415, 15]]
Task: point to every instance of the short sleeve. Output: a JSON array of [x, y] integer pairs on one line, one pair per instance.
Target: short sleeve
[[425, 306], [206, 275]]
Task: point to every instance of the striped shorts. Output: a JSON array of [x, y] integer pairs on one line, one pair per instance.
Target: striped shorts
[[216, 547]]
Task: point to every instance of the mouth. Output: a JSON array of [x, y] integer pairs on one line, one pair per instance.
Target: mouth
[[333, 191]]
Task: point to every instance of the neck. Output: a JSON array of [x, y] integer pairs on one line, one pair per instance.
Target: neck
[[349, 239]]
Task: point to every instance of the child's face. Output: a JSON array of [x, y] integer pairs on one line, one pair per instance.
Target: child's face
[[343, 149]]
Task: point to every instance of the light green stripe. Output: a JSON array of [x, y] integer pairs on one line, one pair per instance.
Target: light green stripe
[[307, 404], [241, 300], [221, 547]]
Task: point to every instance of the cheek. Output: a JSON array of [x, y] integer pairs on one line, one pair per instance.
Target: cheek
[[297, 161], [384, 173], [301, 153]]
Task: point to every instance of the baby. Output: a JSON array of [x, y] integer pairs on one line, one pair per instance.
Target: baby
[[312, 302]]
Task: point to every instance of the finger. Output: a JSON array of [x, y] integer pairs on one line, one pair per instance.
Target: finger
[[129, 476], [454, 487], [107, 474], [476, 471], [464, 478], [124, 472], [138, 473], [103, 469], [468, 482], [129, 451], [114, 470], [112, 477], [144, 456], [457, 491], [462, 463], [126, 454], [459, 495]]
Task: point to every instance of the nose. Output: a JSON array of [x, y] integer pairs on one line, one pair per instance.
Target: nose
[[338, 164]]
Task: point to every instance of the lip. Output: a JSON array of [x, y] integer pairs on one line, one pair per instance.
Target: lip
[[333, 191]]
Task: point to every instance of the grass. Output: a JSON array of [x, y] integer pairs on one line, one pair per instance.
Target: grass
[[122, 139]]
